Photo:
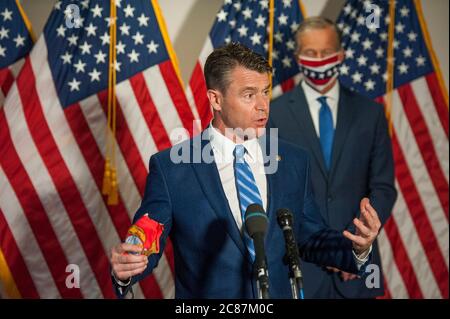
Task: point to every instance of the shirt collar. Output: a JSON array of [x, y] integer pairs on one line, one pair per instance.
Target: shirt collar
[[313, 95], [225, 147]]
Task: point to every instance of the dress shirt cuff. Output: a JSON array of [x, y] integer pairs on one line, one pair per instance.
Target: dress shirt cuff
[[362, 258], [120, 282]]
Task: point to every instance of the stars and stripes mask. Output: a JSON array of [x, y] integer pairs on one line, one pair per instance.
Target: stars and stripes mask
[[319, 72]]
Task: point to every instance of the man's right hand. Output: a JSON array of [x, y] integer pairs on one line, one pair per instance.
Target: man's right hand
[[125, 265]]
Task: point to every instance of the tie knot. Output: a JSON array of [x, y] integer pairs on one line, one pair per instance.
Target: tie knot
[[322, 100], [239, 152]]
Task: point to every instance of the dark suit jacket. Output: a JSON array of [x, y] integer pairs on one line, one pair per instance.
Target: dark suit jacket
[[211, 260], [361, 166]]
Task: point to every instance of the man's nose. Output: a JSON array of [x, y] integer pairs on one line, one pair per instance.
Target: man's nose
[[262, 103]]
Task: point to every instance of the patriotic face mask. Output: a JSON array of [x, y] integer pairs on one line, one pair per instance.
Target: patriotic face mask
[[319, 72]]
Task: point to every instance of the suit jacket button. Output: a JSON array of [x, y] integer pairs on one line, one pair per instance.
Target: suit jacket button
[[330, 198]]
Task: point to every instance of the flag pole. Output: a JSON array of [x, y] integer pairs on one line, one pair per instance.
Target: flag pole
[[7, 280], [110, 185], [390, 64], [434, 59], [26, 21], [270, 35], [113, 195]]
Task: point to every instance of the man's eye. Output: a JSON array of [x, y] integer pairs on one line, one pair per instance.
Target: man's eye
[[309, 53], [248, 95]]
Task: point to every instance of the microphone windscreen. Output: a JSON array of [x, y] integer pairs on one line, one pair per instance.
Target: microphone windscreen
[[255, 220], [284, 217]]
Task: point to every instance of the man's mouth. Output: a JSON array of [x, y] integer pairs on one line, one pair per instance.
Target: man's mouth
[[261, 121]]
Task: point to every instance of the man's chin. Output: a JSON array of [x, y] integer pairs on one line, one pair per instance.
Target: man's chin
[[260, 131]]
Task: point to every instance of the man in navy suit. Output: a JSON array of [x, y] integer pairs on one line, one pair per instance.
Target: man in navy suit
[[199, 190], [351, 156]]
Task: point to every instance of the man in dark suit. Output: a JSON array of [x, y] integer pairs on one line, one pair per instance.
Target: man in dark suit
[[347, 137], [199, 190]]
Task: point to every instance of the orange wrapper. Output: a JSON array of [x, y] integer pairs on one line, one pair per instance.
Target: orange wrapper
[[145, 233]]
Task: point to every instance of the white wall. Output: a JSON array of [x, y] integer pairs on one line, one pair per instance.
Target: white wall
[[189, 21]]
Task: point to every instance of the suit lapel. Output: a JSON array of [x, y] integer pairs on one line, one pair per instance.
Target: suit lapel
[[299, 108], [211, 185], [345, 116]]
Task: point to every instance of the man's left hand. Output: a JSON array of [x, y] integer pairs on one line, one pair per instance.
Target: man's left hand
[[367, 227], [345, 276]]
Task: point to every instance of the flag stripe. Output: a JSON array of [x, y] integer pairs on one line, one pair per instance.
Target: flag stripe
[[402, 260], [415, 250], [28, 247], [425, 102], [43, 187], [87, 194], [149, 113], [60, 174], [13, 256], [425, 144], [128, 192], [135, 123], [35, 213], [179, 101], [420, 177], [96, 120], [418, 214], [95, 161], [439, 100], [127, 145], [137, 169], [394, 284], [287, 85], [65, 169], [163, 102], [197, 86], [6, 80]]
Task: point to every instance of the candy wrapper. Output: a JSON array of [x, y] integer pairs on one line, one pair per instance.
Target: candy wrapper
[[145, 233]]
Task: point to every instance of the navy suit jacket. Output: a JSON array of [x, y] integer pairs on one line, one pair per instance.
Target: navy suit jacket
[[211, 260], [361, 166]]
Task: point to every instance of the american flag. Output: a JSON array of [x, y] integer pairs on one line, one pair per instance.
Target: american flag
[[248, 22], [15, 42], [414, 243], [53, 131]]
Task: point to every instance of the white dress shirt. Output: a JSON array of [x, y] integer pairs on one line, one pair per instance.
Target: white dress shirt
[[223, 149], [314, 105]]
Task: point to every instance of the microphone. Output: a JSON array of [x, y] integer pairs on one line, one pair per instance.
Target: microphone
[[256, 225], [292, 257]]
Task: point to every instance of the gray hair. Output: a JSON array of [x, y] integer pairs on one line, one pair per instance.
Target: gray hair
[[314, 23]]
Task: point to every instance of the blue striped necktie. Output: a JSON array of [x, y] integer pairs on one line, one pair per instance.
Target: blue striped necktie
[[326, 130], [247, 190]]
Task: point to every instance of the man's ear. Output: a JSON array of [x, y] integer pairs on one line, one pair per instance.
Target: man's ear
[[215, 99], [341, 55]]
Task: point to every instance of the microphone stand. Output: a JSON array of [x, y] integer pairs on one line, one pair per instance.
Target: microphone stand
[[261, 272], [291, 258], [262, 283], [295, 275]]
